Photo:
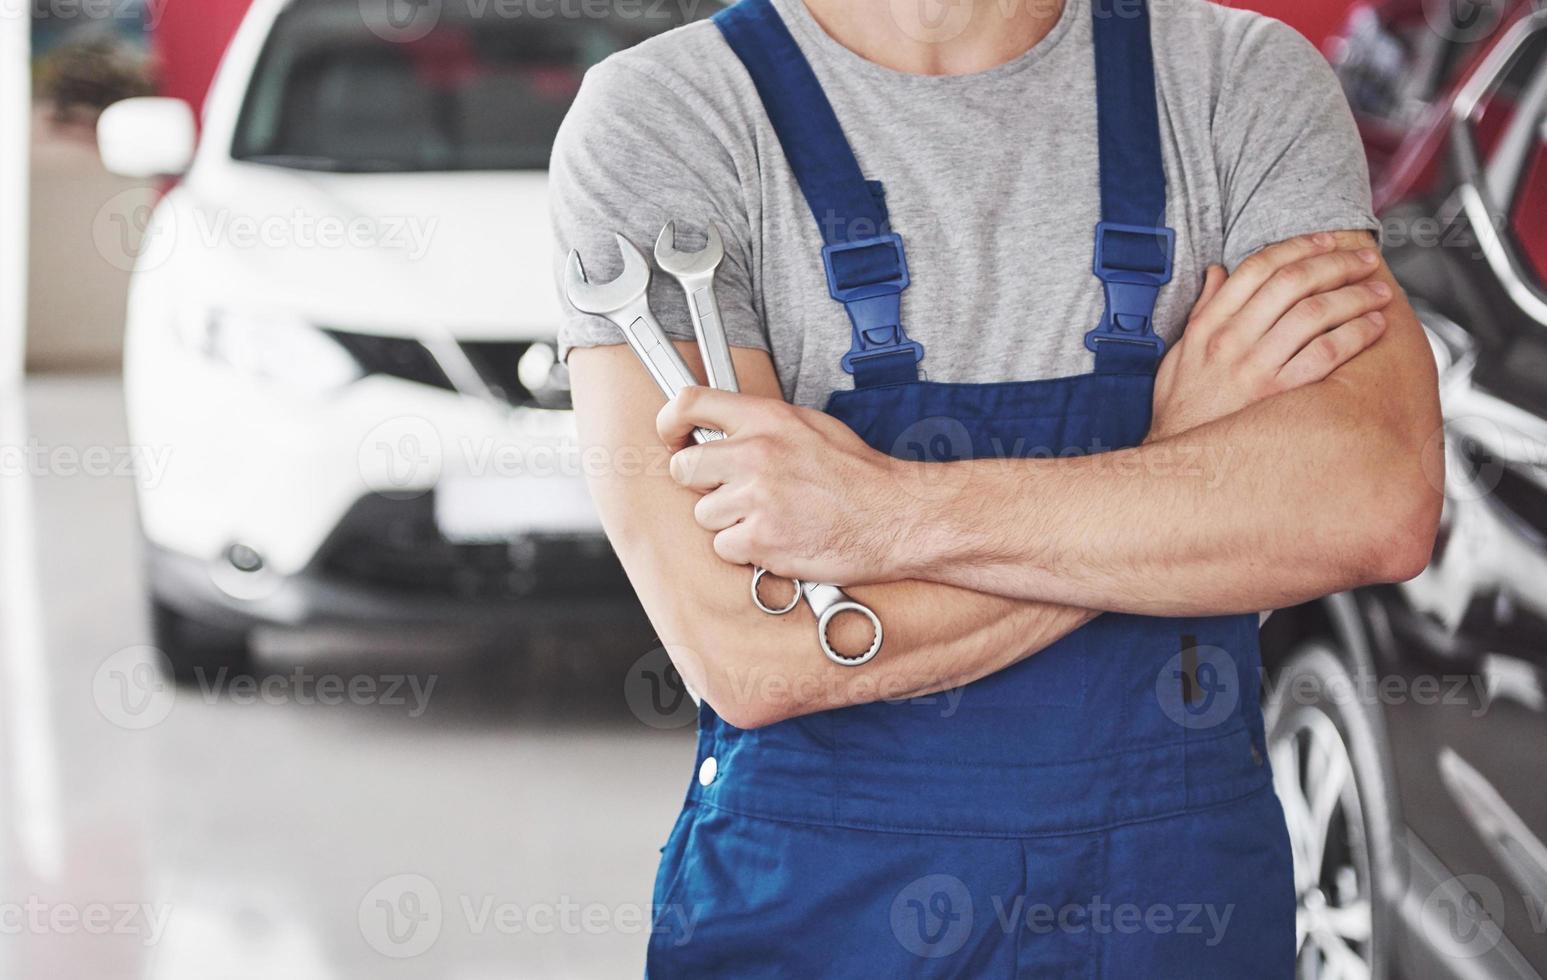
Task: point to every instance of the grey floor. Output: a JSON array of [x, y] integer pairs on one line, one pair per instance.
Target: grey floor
[[504, 826]]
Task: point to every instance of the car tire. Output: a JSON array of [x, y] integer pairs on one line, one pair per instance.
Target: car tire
[[1331, 774], [195, 651]]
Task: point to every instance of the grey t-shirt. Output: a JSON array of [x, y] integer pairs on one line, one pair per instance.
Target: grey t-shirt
[[991, 179]]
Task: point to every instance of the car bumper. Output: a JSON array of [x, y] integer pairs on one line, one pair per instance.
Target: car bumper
[[575, 580]]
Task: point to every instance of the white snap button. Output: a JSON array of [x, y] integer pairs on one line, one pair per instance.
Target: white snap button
[[707, 770]]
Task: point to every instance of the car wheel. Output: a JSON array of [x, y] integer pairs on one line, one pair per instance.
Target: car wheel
[[1330, 774], [194, 650]]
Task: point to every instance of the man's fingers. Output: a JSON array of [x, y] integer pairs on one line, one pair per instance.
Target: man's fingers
[[698, 407], [1331, 351], [734, 545], [1255, 270], [1213, 279], [704, 467], [1297, 282], [719, 510], [1314, 316]]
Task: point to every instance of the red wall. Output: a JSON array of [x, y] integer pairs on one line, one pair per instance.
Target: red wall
[[191, 35], [1314, 18]]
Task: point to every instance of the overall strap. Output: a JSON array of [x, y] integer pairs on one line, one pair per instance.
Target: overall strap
[[1133, 249], [864, 261]]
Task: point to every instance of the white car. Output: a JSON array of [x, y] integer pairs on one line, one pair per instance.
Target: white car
[[340, 339]]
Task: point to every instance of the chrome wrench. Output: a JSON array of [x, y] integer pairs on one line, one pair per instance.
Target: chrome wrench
[[625, 301], [695, 272]]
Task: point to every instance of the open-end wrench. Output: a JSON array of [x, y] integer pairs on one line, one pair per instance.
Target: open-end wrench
[[695, 271], [625, 301]]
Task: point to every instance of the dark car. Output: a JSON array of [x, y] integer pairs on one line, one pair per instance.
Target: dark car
[[1398, 61], [1407, 724]]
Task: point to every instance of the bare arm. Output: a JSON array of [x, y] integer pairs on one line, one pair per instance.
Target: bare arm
[[1317, 489], [751, 667], [755, 669]]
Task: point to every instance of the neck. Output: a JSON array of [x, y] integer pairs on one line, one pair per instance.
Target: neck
[[937, 37]]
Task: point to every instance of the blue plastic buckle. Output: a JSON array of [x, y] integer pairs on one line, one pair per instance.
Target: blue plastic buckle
[[1131, 293], [875, 308]]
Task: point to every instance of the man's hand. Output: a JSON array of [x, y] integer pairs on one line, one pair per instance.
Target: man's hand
[[797, 492], [1289, 316], [791, 489]]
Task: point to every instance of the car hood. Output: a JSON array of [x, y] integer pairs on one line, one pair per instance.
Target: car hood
[[397, 254]]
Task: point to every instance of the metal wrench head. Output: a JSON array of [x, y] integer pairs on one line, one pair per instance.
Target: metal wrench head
[[607, 297], [681, 264]]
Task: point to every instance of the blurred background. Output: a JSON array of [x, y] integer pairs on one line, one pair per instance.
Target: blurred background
[[313, 660]]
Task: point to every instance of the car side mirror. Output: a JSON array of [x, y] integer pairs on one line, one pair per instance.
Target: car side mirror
[[147, 137]]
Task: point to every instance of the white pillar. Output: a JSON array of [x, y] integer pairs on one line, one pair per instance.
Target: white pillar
[[15, 146]]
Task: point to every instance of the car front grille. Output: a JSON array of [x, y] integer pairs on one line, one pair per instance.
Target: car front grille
[[496, 361], [393, 544]]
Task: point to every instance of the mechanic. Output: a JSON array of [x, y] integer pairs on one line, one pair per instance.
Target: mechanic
[[1065, 494]]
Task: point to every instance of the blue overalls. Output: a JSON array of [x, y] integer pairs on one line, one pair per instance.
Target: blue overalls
[[1103, 808]]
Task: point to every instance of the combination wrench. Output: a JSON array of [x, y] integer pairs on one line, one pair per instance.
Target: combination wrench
[[625, 302], [695, 272]]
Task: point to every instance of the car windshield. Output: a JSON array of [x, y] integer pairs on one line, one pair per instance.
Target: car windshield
[[398, 85]]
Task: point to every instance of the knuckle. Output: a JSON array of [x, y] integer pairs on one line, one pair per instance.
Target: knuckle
[[1217, 346], [1257, 264], [1324, 351], [757, 493], [1295, 276], [754, 534], [758, 450], [1312, 307]]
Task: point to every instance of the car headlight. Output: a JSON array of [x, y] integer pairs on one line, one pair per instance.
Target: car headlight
[[276, 347]]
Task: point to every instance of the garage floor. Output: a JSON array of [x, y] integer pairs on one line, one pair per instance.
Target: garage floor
[[464, 814]]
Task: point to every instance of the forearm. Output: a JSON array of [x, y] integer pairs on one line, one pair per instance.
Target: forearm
[[1317, 490], [755, 669], [751, 667]]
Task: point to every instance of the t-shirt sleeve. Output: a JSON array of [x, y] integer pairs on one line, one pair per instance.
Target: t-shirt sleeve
[[631, 155], [1289, 155]]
